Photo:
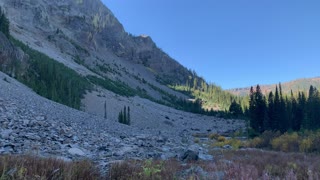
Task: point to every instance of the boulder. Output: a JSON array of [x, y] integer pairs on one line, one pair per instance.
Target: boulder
[[76, 151], [190, 155]]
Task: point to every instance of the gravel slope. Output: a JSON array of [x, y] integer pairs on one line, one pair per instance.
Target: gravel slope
[[32, 124]]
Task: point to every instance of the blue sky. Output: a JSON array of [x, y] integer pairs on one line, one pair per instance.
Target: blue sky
[[232, 43]]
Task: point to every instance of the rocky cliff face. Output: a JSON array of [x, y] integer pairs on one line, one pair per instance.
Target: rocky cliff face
[[88, 30]]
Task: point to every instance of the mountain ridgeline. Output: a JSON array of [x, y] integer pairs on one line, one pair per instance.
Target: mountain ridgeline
[[302, 85]]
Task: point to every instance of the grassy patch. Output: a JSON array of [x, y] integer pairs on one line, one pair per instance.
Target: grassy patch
[[30, 167], [257, 164], [241, 164]]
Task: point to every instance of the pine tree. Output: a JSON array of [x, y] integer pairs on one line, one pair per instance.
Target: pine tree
[[4, 24], [294, 114], [257, 109], [283, 121], [235, 109], [252, 110], [105, 109], [128, 117], [289, 114], [270, 111], [260, 108], [277, 111], [125, 120], [309, 115], [120, 117], [266, 119], [301, 113]]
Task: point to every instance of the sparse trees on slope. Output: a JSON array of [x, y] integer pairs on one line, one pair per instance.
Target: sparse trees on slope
[[124, 116]]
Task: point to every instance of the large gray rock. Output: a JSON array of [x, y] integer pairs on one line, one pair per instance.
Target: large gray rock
[[76, 151], [5, 134], [189, 155]]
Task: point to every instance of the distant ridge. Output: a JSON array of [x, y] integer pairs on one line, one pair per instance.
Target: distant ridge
[[302, 84]]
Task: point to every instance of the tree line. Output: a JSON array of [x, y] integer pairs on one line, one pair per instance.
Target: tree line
[[284, 112], [211, 99], [4, 24]]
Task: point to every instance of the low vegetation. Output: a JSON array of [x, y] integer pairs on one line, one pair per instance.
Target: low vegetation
[[304, 141], [258, 164], [241, 164], [31, 167]]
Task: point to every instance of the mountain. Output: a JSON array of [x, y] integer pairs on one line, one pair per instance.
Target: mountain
[[68, 71], [87, 32], [295, 85], [86, 37]]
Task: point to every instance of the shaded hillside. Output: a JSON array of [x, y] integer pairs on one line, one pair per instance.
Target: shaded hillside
[[295, 85]]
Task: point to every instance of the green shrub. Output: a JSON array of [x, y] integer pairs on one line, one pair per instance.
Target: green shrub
[[214, 136], [196, 140], [221, 139], [286, 142], [235, 143], [264, 140], [305, 145]]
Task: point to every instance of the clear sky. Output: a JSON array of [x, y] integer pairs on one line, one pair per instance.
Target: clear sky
[[233, 43]]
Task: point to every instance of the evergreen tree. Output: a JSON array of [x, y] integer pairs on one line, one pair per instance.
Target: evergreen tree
[[105, 109], [125, 120], [294, 114], [283, 121], [289, 114], [128, 117], [260, 108], [252, 110], [120, 117], [266, 119], [4, 24], [277, 111], [301, 112], [235, 109], [270, 111], [309, 114], [257, 109]]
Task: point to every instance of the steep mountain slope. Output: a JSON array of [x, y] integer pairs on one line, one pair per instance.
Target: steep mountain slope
[[85, 36], [295, 86]]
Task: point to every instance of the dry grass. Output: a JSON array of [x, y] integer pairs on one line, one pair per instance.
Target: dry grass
[[33, 168], [256, 164], [242, 164], [144, 170]]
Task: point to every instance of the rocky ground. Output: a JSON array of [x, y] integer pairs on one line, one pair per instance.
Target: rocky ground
[[35, 125]]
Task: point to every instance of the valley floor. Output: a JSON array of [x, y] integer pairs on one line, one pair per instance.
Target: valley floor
[[30, 124]]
